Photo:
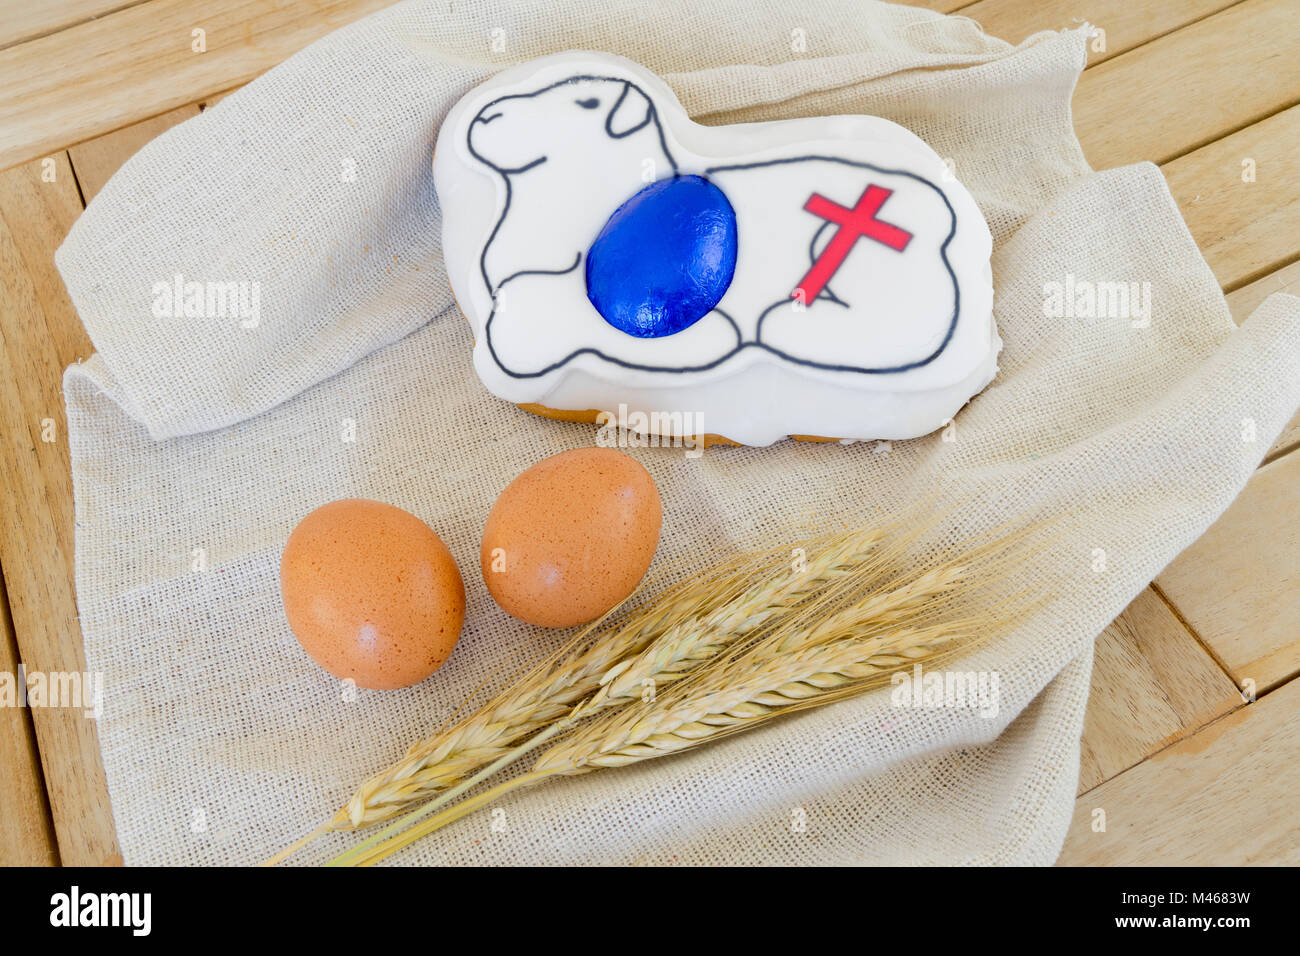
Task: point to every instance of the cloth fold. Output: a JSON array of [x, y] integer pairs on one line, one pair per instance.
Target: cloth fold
[[311, 307]]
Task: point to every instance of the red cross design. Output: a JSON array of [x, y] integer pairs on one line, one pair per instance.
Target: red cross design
[[855, 223]]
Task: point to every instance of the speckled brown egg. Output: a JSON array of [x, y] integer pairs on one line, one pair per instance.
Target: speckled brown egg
[[571, 537], [371, 593]]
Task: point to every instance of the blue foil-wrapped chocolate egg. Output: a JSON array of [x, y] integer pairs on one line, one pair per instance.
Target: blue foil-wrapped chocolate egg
[[664, 258]]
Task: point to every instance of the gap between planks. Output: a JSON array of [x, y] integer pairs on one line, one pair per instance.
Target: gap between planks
[[39, 337], [1216, 791], [47, 17], [27, 824], [237, 59]]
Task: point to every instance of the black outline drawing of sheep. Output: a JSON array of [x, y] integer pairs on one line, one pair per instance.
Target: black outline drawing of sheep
[[757, 311]]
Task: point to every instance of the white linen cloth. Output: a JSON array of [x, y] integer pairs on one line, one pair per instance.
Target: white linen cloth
[[198, 443]]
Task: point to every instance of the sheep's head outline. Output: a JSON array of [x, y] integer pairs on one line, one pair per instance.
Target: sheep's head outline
[[572, 107]]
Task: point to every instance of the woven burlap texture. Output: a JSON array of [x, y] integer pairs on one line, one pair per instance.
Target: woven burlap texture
[[197, 444]]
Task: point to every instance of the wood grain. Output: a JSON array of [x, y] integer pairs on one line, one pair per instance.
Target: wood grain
[[26, 830], [40, 336], [1126, 24], [1246, 227], [1248, 298], [1223, 796], [87, 79], [1152, 683], [1182, 91], [1245, 301], [27, 20], [96, 160], [103, 74], [1238, 585]]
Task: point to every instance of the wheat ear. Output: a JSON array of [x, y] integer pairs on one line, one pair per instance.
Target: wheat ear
[[698, 712], [864, 628], [686, 626], [682, 647]]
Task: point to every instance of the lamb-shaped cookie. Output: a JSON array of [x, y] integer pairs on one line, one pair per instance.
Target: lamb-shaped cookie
[[824, 276]]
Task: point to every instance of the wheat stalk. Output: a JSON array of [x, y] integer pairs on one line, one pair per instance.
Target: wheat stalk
[[726, 697], [837, 644], [662, 642], [865, 619]]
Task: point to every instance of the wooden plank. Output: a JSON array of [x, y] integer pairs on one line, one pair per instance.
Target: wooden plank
[[1126, 24], [104, 74], [23, 20], [1248, 298], [1189, 88], [26, 830], [96, 160], [153, 70], [1225, 795], [1238, 585], [1246, 228], [1128, 717], [39, 336], [1152, 683], [1241, 198], [1245, 301]]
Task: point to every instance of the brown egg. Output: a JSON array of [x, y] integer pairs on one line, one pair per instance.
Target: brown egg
[[571, 537], [371, 593]]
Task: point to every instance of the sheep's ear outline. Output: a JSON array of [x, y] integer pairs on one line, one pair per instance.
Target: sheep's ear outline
[[630, 112]]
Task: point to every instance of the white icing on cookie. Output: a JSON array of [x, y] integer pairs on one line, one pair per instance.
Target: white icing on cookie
[[530, 166]]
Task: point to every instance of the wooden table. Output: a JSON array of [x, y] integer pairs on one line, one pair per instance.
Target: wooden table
[[1186, 770]]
